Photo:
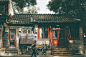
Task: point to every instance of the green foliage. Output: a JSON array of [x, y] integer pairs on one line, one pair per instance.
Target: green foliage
[[18, 6], [69, 7], [24, 3], [31, 10]]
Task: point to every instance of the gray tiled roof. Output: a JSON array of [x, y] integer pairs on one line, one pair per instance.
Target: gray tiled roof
[[28, 18], [21, 19], [4, 0], [53, 18]]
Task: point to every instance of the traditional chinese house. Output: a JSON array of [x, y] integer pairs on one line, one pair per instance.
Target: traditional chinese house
[[58, 31], [64, 32]]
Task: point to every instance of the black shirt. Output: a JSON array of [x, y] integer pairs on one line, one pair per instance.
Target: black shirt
[[34, 45]]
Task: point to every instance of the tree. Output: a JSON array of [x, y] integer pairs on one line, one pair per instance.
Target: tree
[[24, 3], [31, 10], [18, 5], [68, 7]]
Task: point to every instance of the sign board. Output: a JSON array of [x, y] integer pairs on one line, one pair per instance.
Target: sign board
[[31, 36], [70, 41], [27, 38], [84, 35]]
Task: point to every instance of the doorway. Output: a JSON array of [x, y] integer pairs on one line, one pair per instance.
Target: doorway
[[12, 37], [58, 36]]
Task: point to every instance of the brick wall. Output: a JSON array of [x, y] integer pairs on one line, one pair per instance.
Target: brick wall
[[5, 40], [77, 45]]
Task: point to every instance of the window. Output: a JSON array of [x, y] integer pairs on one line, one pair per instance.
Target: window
[[12, 35], [12, 42], [12, 31], [61, 34], [73, 32], [26, 31], [43, 32], [55, 34]]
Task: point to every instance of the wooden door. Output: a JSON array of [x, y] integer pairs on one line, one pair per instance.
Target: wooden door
[[61, 38], [12, 37]]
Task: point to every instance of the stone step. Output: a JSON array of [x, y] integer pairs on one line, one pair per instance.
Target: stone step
[[61, 50], [11, 51], [62, 54]]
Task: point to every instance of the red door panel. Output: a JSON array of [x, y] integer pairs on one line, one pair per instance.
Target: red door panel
[[55, 38], [55, 43]]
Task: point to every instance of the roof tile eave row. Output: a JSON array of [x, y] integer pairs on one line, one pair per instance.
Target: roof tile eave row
[[42, 18], [55, 21], [4, 0]]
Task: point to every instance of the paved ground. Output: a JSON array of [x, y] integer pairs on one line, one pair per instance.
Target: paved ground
[[70, 56], [28, 56], [44, 56]]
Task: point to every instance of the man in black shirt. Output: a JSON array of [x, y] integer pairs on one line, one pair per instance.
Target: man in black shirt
[[33, 48]]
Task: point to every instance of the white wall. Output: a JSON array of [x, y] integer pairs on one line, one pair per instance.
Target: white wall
[[10, 9], [1, 42]]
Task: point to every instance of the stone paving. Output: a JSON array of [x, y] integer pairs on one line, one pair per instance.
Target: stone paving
[[43, 56]]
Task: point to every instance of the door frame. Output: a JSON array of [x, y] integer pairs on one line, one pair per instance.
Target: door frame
[[58, 35], [12, 38]]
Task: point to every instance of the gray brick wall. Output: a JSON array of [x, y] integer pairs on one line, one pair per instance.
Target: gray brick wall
[[5, 40], [78, 44]]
